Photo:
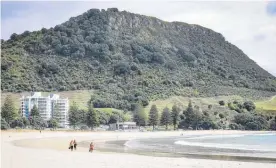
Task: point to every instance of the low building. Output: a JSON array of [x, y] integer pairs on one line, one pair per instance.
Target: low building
[[46, 106], [123, 126]]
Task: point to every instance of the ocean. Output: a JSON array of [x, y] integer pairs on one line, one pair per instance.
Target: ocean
[[246, 147]]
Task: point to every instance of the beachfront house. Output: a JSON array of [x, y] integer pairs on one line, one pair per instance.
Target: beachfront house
[[123, 126]]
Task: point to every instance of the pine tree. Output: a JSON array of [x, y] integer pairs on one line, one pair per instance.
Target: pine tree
[[189, 115], [74, 118], [166, 117], [8, 111], [197, 117], [34, 111], [175, 116], [53, 123], [140, 116], [19, 112], [4, 124], [193, 116], [153, 116], [92, 119]]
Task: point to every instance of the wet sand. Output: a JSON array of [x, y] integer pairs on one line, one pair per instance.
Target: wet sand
[[50, 149]]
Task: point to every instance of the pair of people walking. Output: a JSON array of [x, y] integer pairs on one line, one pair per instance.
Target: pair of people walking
[[73, 145]]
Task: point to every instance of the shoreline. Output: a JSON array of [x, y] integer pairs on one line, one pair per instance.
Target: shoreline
[[54, 145]]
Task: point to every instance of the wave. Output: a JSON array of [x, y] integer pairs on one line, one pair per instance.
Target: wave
[[224, 146], [127, 143], [215, 136]]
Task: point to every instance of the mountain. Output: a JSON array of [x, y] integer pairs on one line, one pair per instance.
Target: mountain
[[126, 58]]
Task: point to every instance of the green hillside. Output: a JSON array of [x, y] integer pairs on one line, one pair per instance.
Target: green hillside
[[127, 58]]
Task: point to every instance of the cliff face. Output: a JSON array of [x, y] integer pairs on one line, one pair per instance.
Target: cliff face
[[129, 57]]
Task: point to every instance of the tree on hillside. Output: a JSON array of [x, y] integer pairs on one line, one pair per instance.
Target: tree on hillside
[[175, 116], [104, 117], [92, 119], [140, 116], [117, 116], [74, 117], [8, 111], [166, 117], [153, 116], [249, 105], [34, 111], [222, 103]]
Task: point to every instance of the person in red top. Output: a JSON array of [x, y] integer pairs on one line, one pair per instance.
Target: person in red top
[[91, 147]]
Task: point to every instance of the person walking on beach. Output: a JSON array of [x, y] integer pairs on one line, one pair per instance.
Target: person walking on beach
[[71, 145], [75, 144], [91, 147]]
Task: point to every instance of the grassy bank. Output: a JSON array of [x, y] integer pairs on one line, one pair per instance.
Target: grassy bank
[[81, 97]]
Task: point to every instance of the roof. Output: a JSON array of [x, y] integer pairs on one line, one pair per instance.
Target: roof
[[127, 123]]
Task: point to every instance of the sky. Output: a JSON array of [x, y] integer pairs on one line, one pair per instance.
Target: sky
[[250, 25]]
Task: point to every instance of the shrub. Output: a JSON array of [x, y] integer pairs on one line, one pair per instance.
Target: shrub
[[122, 68], [249, 105], [37, 122], [84, 127], [251, 122], [4, 124], [222, 103], [234, 126], [221, 115], [207, 124], [17, 123], [252, 126], [235, 102], [206, 113], [273, 125], [14, 36]]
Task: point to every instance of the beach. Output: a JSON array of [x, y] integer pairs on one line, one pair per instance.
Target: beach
[[49, 149]]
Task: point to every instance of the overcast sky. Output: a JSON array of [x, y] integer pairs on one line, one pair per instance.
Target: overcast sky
[[250, 25]]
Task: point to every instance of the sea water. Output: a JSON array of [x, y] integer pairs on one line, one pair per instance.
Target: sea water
[[246, 145], [249, 142]]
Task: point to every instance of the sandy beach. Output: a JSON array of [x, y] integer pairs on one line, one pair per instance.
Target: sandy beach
[[50, 150]]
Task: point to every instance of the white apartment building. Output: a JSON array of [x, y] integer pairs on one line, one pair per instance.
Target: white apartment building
[[46, 106]]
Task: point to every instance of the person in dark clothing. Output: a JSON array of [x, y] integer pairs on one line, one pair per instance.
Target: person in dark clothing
[[71, 145], [75, 144]]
